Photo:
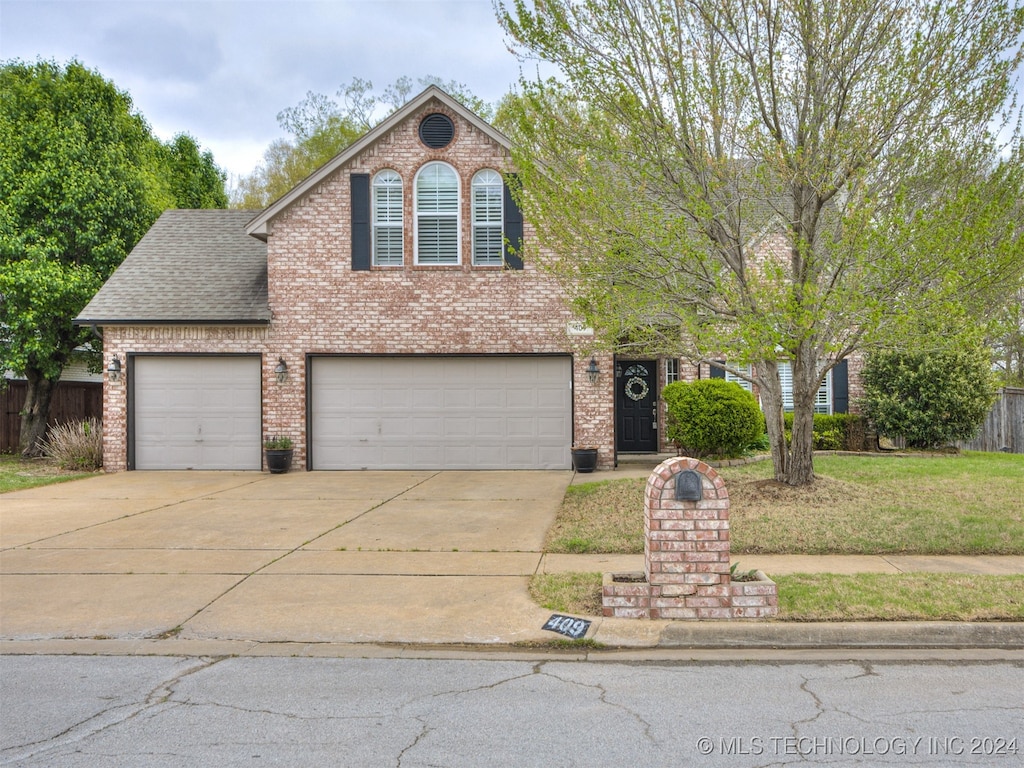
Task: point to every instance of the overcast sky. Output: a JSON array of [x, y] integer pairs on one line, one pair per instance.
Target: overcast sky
[[221, 70]]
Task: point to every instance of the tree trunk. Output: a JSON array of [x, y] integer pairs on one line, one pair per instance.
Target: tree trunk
[[793, 460], [800, 470], [771, 405], [35, 413]]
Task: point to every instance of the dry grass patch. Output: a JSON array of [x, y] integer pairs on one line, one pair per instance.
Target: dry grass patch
[[600, 517]]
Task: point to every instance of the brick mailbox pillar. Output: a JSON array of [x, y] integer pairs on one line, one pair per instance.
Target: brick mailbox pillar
[[686, 554]]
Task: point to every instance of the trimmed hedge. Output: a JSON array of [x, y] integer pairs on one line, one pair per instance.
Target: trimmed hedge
[[712, 417]]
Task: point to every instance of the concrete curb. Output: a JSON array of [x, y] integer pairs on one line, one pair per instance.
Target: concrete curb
[[912, 634], [616, 639]]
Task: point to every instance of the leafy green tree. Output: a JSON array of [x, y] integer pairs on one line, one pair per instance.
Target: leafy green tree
[[193, 178], [770, 180], [320, 127], [81, 179], [932, 398]]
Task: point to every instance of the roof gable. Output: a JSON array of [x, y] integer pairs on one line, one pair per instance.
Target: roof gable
[[260, 225]]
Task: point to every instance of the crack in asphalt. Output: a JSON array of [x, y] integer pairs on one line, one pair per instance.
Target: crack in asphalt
[[424, 730], [158, 698], [538, 669]]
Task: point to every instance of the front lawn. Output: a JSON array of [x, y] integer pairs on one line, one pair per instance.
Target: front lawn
[[17, 473], [970, 504]]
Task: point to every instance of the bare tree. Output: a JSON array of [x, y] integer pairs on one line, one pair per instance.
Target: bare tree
[[770, 181]]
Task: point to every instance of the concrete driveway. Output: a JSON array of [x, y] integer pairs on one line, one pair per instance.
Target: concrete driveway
[[309, 557]]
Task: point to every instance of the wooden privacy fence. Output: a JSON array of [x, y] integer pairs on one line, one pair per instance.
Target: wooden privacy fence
[[1004, 425], [72, 401]]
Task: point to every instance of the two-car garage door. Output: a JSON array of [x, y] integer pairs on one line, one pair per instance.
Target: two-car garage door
[[479, 412], [364, 412]]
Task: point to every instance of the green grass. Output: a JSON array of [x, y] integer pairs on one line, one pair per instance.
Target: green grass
[[578, 593], [831, 597], [900, 597], [17, 473], [969, 504]]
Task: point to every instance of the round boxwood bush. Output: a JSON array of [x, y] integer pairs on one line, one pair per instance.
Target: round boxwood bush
[[712, 417]]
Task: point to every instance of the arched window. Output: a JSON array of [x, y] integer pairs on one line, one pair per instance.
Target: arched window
[[488, 242], [437, 214], [387, 219]]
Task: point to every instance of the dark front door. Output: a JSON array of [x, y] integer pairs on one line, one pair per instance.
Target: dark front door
[[636, 405]]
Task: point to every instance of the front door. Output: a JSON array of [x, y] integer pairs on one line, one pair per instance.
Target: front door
[[636, 405]]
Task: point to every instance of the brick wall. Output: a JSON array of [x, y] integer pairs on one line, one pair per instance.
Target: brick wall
[[319, 305], [124, 340]]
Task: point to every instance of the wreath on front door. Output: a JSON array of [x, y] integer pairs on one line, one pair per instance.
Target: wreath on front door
[[637, 389]]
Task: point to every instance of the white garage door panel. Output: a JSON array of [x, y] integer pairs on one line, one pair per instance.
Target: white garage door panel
[[197, 412], [441, 413]]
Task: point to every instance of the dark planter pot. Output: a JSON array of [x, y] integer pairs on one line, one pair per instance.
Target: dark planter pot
[[279, 460], [584, 459]]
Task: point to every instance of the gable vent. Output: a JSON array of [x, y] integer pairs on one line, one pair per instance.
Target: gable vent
[[437, 131]]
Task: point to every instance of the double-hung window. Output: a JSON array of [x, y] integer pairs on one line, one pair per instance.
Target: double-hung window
[[387, 220], [488, 238], [437, 214], [822, 400], [730, 376]]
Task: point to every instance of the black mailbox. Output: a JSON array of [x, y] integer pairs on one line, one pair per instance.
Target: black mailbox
[[689, 486]]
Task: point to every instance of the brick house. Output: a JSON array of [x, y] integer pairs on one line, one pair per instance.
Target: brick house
[[373, 314]]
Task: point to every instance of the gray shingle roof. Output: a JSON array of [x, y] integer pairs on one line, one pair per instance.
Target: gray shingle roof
[[192, 266]]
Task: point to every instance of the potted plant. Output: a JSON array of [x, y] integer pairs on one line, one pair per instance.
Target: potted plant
[[279, 453], [584, 458]]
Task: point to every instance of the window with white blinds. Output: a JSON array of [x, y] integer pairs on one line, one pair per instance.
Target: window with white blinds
[[487, 218], [822, 400], [729, 376], [387, 219], [437, 215]]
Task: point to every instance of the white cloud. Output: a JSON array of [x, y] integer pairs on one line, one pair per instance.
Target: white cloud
[[222, 70]]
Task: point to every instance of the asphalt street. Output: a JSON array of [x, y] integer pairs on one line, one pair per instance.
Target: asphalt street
[[69, 711]]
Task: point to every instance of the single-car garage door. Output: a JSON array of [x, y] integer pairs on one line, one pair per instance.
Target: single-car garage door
[[198, 412], [491, 412]]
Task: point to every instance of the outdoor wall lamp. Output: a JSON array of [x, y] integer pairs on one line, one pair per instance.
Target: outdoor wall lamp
[[593, 371], [114, 369], [281, 371]]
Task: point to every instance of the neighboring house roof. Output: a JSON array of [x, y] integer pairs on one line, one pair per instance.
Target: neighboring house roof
[[192, 266], [260, 225]]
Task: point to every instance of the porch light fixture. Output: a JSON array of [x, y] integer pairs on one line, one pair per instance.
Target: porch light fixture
[[281, 371], [114, 369], [593, 371]]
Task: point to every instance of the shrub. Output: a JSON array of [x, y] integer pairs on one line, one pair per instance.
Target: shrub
[[835, 431], [278, 443], [930, 399], [712, 417], [76, 445]]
